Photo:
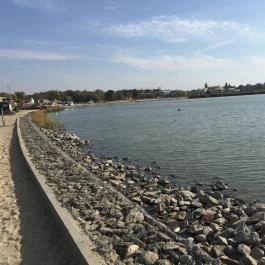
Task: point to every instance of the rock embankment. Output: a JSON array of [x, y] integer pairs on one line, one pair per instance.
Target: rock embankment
[[156, 222]]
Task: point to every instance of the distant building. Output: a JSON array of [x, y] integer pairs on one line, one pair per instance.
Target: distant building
[[70, 103], [166, 92], [3, 99], [6, 106], [214, 89]]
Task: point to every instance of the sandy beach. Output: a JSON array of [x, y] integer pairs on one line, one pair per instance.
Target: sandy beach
[[27, 233]]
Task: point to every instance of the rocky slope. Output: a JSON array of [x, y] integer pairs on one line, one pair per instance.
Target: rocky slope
[[137, 217]]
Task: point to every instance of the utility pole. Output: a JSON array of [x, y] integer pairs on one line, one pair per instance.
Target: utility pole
[[3, 119]]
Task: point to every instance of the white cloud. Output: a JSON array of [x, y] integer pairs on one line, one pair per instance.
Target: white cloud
[[215, 46], [175, 29], [34, 55], [257, 61], [176, 63], [52, 5]]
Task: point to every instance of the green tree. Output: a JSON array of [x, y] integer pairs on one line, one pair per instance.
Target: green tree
[[110, 95], [20, 95]]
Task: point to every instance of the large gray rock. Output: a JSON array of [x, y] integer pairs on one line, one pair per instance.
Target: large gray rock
[[221, 240], [243, 249], [208, 215], [251, 238], [233, 218], [181, 215], [215, 227], [203, 257], [248, 260], [260, 207], [187, 194], [164, 246], [201, 238], [185, 259], [255, 218], [220, 221], [131, 250], [148, 257], [160, 207], [260, 226], [257, 253], [218, 195], [251, 210], [207, 231], [228, 232], [217, 251], [195, 228], [135, 215], [206, 199], [230, 251], [220, 185], [163, 262]]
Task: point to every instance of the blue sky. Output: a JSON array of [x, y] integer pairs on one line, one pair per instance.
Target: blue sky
[[124, 44]]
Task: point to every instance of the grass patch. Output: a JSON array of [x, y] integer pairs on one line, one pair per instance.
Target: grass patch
[[40, 118]]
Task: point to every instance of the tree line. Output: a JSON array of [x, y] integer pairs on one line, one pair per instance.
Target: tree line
[[82, 96]]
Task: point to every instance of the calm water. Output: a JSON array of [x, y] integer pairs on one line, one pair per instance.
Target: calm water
[[207, 139]]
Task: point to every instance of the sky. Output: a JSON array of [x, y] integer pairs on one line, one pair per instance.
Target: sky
[[126, 44]]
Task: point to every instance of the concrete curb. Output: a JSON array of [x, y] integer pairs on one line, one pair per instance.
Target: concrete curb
[[78, 242]]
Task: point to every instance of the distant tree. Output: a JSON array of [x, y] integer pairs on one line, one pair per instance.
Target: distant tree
[[241, 87], [136, 94], [98, 95], [68, 99], [54, 94], [20, 94], [110, 95], [4, 94], [120, 94], [259, 86]]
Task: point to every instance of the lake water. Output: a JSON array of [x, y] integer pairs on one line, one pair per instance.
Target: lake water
[[192, 140]]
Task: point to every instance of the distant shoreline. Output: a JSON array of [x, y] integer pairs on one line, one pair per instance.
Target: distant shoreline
[[128, 101], [229, 94], [166, 99]]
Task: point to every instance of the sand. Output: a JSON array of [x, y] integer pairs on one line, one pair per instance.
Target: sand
[[10, 238], [27, 232]]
